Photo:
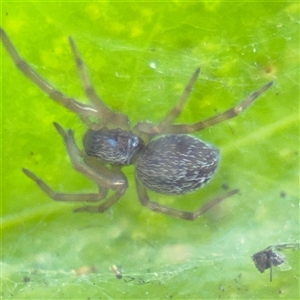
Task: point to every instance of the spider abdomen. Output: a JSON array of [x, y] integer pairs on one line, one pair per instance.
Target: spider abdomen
[[176, 164]]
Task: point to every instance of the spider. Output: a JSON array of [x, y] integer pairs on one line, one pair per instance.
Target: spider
[[167, 159]]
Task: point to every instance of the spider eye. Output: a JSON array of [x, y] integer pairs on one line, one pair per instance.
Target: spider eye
[[133, 142]]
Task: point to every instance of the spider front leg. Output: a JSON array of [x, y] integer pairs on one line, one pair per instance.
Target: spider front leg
[[83, 110], [103, 177], [186, 215], [105, 114]]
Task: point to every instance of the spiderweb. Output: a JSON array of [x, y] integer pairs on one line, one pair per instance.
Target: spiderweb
[[48, 252]]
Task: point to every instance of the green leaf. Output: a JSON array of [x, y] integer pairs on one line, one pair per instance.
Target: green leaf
[[140, 56]]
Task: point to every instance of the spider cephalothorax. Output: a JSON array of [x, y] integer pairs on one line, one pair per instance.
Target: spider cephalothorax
[[113, 146], [167, 160]]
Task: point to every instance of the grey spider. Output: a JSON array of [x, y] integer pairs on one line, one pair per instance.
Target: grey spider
[[167, 160]]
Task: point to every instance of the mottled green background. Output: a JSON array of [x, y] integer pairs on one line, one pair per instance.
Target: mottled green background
[[140, 55]]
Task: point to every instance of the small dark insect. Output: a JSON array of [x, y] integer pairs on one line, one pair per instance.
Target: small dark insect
[[166, 159], [267, 258]]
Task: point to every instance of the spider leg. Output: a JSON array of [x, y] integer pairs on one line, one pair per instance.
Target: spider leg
[[228, 114], [81, 109], [148, 130], [144, 199], [176, 110], [271, 272], [102, 176], [63, 196], [105, 114], [104, 206]]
